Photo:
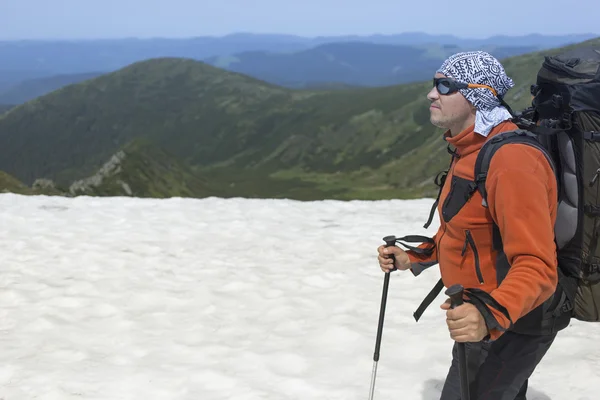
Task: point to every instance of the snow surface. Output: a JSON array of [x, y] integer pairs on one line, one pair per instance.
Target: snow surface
[[121, 298]]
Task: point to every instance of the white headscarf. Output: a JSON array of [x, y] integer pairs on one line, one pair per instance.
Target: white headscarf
[[481, 68]]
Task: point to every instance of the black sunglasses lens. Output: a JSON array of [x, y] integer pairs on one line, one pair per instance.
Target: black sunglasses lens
[[443, 86]]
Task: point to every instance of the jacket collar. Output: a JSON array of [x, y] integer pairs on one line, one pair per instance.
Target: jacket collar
[[468, 141]]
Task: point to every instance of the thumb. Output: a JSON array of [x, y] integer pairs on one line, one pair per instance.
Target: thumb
[[446, 305]]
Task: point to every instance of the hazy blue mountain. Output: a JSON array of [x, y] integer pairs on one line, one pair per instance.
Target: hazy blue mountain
[[32, 59], [4, 108], [76, 56], [10, 77], [349, 63], [30, 89], [420, 38]]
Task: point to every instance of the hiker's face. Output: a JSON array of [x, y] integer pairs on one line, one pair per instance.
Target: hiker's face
[[451, 111]]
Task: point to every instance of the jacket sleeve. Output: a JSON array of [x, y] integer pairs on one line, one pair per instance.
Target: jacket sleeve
[[420, 262], [522, 199]]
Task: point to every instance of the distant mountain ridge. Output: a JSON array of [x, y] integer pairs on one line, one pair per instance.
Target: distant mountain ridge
[[31, 59], [238, 136], [30, 89], [31, 68], [5, 107], [350, 63]]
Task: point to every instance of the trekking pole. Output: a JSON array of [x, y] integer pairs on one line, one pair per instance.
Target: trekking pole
[[455, 292], [389, 241]]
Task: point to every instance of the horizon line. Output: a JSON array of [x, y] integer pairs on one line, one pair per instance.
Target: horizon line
[[290, 35]]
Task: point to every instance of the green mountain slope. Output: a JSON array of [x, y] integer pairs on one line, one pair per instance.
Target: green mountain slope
[[10, 184], [253, 138], [203, 115], [141, 169], [71, 132]]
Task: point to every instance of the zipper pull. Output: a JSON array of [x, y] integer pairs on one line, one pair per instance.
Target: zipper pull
[[595, 178]]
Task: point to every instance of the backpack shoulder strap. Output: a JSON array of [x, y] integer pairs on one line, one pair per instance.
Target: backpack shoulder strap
[[484, 158], [530, 323]]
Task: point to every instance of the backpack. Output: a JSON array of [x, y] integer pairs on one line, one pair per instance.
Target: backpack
[[563, 122]]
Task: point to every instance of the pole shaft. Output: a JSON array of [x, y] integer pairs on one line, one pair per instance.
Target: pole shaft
[[455, 293], [373, 376], [390, 241]]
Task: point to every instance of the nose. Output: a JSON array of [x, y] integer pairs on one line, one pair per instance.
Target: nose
[[433, 95]]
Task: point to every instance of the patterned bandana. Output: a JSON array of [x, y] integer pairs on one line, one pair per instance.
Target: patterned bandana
[[481, 68]]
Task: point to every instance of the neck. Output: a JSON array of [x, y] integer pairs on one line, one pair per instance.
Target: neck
[[459, 127]]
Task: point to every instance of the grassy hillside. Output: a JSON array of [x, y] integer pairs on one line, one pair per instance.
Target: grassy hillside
[[254, 138], [205, 116], [141, 169], [10, 184], [71, 132]]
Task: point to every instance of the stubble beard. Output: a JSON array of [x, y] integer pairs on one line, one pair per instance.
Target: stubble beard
[[437, 120]]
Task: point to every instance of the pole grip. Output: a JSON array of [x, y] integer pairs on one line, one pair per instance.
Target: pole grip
[[390, 241], [455, 292]]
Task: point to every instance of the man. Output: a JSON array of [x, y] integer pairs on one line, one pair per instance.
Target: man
[[521, 200]]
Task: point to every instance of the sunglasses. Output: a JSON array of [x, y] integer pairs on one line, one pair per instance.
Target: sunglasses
[[447, 86]]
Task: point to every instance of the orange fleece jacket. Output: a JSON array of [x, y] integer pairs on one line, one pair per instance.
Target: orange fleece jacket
[[522, 200]]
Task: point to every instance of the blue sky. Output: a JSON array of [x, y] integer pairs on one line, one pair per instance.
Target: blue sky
[[51, 19]]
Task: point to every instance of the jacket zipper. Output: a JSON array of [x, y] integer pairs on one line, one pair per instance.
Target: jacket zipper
[[471, 242]]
